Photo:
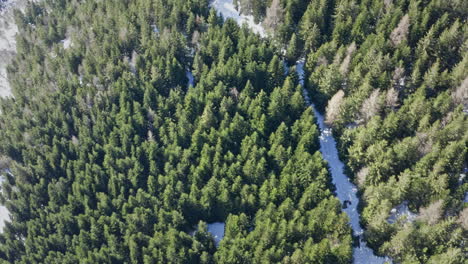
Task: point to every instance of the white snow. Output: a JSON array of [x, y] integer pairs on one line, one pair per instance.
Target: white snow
[[190, 78], [345, 190], [217, 231], [401, 212], [4, 214], [8, 31], [155, 29], [401, 82], [66, 42], [227, 9]]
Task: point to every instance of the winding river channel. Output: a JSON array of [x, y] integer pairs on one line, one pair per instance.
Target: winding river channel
[[346, 191]]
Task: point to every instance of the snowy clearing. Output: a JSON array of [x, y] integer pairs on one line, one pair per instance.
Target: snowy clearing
[[227, 9]]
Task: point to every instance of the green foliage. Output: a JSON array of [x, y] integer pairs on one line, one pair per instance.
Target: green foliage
[[115, 160]]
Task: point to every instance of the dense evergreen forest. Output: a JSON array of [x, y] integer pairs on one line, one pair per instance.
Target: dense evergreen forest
[[392, 77], [113, 159], [111, 154]]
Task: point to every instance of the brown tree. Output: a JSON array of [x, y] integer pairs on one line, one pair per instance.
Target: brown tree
[[333, 108], [370, 107], [432, 213], [400, 33], [274, 16]]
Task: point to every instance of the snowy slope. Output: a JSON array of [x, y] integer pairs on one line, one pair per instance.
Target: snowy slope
[[8, 31]]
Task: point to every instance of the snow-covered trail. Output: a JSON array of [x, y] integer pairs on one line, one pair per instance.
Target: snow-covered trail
[[346, 191]]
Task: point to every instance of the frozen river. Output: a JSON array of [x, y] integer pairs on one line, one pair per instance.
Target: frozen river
[[346, 191]]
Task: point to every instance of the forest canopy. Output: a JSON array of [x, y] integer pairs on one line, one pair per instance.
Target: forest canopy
[[133, 124], [113, 158]]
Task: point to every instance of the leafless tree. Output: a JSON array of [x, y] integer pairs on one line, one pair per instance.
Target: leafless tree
[[150, 135], [391, 100], [274, 16], [400, 33], [322, 61], [398, 78], [245, 6], [371, 106], [4, 162], [424, 143], [133, 62], [432, 213], [333, 108], [344, 67], [362, 175], [460, 95], [196, 38], [388, 3], [463, 219]]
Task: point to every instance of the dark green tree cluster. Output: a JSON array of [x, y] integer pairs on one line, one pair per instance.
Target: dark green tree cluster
[[392, 77], [109, 157]]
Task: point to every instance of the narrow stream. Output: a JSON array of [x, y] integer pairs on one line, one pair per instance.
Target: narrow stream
[[345, 189]]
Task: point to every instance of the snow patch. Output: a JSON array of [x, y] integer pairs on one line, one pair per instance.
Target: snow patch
[[217, 231], [4, 213], [66, 43], [401, 212], [8, 30], [155, 29], [191, 79], [227, 9]]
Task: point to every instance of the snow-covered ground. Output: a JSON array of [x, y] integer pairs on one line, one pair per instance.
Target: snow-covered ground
[[345, 189], [217, 231], [8, 31], [227, 9], [401, 212]]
